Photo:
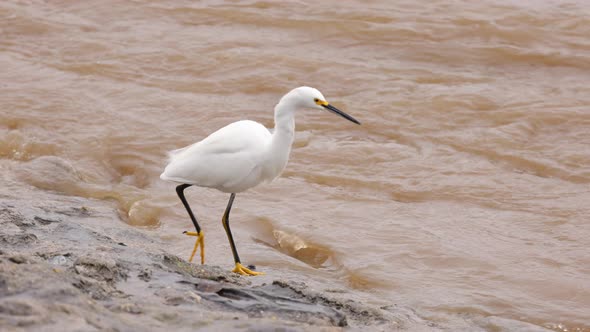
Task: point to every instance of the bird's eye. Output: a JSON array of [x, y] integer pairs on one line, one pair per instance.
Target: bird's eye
[[316, 100]]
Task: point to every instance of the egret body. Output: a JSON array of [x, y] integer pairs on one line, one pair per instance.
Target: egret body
[[240, 156]]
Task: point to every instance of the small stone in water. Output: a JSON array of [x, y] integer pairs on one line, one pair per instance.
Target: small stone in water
[[58, 260]]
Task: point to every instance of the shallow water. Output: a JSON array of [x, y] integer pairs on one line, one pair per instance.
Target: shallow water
[[463, 194]]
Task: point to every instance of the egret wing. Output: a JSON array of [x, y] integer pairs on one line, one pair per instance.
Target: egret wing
[[225, 158]]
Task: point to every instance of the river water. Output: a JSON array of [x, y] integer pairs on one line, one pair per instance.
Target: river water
[[463, 195]]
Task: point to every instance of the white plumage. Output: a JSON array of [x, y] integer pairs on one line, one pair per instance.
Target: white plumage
[[231, 159], [240, 156]]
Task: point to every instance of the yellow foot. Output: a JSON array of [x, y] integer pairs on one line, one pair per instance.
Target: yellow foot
[[241, 269], [199, 243]]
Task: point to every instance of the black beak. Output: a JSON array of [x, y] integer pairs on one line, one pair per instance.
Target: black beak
[[339, 112]]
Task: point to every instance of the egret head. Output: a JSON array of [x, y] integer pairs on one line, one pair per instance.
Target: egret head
[[308, 97]]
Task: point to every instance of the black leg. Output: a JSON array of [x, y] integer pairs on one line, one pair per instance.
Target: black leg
[[180, 191], [241, 269], [225, 222]]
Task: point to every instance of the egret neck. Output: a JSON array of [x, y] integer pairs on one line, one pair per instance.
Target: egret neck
[[283, 134]]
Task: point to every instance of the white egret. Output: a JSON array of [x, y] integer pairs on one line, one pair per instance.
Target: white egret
[[240, 156]]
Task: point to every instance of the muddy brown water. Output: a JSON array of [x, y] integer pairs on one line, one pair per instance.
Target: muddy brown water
[[464, 194]]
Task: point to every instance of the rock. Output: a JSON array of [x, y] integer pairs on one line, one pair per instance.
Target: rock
[[99, 268], [145, 274], [173, 296], [45, 221], [132, 308], [213, 273], [59, 260], [97, 290], [18, 259], [276, 301], [18, 239], [11, 216]]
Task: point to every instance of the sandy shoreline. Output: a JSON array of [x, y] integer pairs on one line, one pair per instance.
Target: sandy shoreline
[[69, 263]]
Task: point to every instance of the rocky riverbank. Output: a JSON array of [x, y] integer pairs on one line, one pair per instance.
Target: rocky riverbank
[[70, 264]]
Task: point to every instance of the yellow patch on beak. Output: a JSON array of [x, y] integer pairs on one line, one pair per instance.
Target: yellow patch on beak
[[322, 102]]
